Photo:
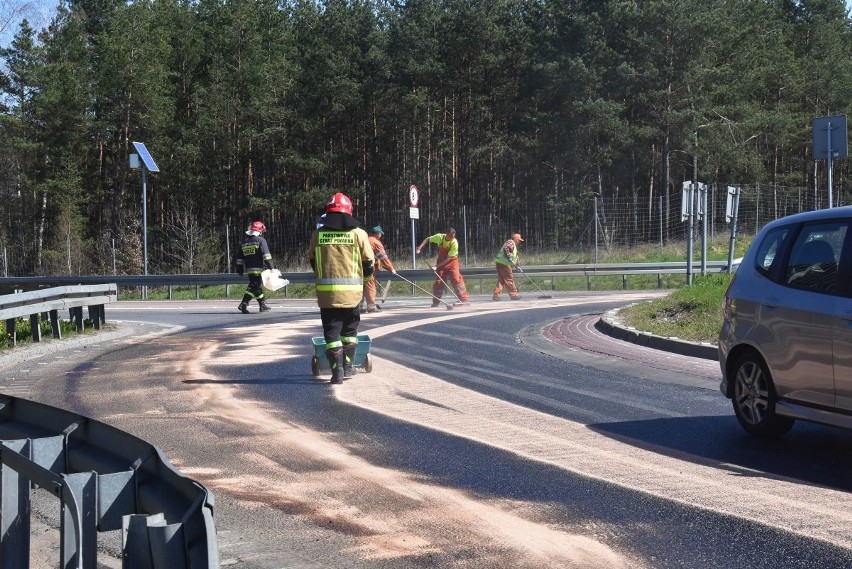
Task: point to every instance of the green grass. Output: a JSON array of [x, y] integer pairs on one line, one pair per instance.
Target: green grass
[[24, 331], [691, 313]]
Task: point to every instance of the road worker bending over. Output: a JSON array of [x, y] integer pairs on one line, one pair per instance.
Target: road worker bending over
[[507, 259], [341, 257], [382, 262], [447, 265]]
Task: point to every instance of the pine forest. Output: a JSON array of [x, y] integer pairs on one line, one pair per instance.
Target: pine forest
[[510, 109]]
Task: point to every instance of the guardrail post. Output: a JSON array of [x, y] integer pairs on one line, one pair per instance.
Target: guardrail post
[[135, 546], [76, 314], [588, 282], [14, 512], [54, 325], [659, 280], [148, 541], [624, 282], [35, 327], [96, 315], [78, 528], [12, 330]]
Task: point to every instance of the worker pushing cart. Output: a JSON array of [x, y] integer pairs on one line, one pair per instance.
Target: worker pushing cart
[[446, 266], [336, 248]]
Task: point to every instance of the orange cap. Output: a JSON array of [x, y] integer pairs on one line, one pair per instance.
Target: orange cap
[[516, 237]]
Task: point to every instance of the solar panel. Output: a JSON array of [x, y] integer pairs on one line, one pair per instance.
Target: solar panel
[[149, 163]]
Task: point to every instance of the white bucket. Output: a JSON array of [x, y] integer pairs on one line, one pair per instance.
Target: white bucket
[[272, 279]]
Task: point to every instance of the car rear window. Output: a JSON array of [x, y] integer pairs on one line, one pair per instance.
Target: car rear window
[[812, 264]]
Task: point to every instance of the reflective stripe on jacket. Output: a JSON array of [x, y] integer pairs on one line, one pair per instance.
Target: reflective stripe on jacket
[[253, 254], [382, 259]]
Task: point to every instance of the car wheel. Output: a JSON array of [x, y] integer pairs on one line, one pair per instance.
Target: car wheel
[[754, 398]]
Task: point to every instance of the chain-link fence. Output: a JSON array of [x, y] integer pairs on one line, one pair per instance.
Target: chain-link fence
[[571, 229]]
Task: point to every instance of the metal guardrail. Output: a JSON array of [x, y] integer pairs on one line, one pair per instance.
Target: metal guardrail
[[589, 271], [106, 480], [50, 301]]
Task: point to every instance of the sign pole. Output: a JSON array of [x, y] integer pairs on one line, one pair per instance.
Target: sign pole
[[148, 165], [414, 213], [833, 144], [145, 219], [828, 162]]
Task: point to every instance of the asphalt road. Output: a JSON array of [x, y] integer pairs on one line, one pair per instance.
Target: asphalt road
[[500, 435]]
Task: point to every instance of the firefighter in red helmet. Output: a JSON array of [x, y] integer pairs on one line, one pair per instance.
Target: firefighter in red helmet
[[335, 244], [252, 257]]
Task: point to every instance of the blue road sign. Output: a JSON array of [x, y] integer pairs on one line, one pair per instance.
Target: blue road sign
[[149, 163], [829, 133]]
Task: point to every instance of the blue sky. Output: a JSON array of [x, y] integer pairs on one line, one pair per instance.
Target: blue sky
[[38, 12]]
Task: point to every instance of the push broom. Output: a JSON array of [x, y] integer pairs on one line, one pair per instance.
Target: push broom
[[543, 294]]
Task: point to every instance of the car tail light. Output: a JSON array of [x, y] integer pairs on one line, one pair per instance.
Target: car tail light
[[728, 302]]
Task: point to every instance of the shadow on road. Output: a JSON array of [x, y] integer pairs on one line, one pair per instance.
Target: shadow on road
[[811, 453]]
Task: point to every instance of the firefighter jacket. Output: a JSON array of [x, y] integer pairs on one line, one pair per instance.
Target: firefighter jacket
[[253, 255], [508, 254], [341, 259], [382, 259]]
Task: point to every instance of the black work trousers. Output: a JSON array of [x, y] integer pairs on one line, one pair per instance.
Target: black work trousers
[[340, 323]]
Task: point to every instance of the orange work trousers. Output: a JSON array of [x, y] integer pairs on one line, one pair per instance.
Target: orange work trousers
[[505, 278], [451, 274], [370, 290]]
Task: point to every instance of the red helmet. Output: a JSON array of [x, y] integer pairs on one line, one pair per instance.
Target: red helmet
[[257, 226], [339, 203]]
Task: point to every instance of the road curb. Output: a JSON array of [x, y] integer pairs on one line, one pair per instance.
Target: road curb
[[610, 325]]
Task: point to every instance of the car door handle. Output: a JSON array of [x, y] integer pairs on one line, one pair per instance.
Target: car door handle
[[770, 302]]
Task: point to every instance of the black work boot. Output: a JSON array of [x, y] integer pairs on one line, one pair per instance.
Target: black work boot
[[243, 307], [263, 306], [348, 359], [335, 360]]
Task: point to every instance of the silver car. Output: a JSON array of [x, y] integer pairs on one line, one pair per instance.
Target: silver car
[[785, 347]]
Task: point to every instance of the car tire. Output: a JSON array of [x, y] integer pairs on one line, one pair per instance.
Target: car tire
[[754, 398]]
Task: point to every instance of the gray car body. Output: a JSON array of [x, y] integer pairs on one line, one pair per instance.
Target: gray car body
[[803, 336]]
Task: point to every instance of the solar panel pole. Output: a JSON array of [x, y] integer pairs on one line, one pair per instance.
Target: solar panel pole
[[145, 218], [147, 164]]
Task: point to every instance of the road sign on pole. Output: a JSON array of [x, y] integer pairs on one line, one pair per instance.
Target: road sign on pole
[[829, 142], [414, 213]]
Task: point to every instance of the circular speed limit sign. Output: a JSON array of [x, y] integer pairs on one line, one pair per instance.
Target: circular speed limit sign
[[413, 196]]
